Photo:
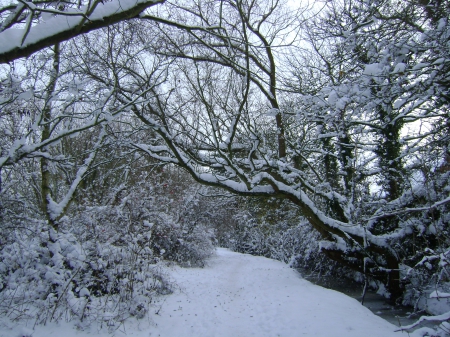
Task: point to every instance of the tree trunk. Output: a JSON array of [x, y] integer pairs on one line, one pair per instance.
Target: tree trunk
[[46, 192]]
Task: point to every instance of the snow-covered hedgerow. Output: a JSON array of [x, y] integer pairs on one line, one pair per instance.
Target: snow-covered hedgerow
[[141, 214], [428, 289], [247, 236], [103, 260], [281, 234], [189, 246], [47, 276], [299, 247]]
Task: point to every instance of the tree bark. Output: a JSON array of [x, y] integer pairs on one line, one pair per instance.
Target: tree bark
[[46, 192]]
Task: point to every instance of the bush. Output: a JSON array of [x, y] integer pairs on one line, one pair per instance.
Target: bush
[[286, 238], [104, 265], [50, 276]]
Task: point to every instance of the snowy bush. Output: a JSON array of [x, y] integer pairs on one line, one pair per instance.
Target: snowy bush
[[49, 276], [299, 247], [104, 264], [274, 230], [138, 215], [187, 246], [248, 236], [428, 289]]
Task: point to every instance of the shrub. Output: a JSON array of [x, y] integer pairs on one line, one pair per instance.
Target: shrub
[[50, 276]]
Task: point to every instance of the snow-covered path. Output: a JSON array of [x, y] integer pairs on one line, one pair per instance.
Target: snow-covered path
[[239, 295], [243, 295]]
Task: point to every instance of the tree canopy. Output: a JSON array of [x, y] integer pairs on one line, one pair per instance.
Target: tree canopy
[[342, 108]]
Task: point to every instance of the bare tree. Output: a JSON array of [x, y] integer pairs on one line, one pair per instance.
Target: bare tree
[[203, 85], [345, 161]]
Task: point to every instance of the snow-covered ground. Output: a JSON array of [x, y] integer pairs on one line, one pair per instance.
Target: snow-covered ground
[[240, 295]]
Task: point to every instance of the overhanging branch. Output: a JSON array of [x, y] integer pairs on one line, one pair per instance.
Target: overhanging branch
[[62, 28]]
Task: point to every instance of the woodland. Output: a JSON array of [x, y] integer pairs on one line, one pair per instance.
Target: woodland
[[136, 132]]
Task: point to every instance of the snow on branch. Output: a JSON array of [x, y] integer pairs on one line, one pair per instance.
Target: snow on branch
[[56, 210], [438, 318], [416, 209], [16, 43], [439, 294]]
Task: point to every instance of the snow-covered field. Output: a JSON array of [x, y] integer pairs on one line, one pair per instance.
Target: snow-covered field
[[240, 295]]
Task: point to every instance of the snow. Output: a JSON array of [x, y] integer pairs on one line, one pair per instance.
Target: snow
[[399, 68], [373, 69], [12, 38], [272, 112], [438, 318], [26, 95], [439, 294], [420, 66], [435, 303], [239, 295]]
